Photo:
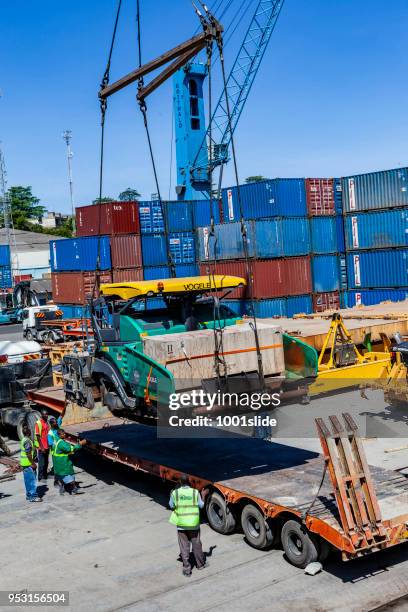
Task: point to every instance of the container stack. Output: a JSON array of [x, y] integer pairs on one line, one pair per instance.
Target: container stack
[[278, 239], [327, 242], [375, 207]]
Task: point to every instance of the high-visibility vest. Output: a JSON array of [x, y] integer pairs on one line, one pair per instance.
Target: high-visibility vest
[[25, 461], [55, 437], [55, 452], [186, 512], [39, 425]]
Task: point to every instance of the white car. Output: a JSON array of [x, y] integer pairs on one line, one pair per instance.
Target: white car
[[19, 351]]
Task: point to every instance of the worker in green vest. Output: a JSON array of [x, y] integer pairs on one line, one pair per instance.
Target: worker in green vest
[[62, 452], [28, 457], [186, 503]]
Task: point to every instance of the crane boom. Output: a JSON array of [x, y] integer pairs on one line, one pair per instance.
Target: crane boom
[[194, 170]]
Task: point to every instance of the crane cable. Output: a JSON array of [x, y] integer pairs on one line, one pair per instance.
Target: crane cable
[[103, 107], [249, 271], [143, 109]]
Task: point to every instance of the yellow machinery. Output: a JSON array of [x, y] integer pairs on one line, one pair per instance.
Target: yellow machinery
[[395, 384], [342, 365]]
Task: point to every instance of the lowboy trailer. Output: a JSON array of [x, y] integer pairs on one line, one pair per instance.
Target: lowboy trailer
[[275, 493]]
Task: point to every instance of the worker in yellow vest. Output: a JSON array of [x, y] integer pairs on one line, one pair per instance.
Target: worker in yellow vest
[[27, 461], [186, 503]]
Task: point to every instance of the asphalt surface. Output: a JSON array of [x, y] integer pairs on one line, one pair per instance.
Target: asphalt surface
[[11, 332]]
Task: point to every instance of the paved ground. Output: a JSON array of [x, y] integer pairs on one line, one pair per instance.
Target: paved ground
[[113, 548], [11, 332]]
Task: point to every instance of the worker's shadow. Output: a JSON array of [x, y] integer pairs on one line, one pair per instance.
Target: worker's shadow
[[4, 495], [42, 490], [207, 555]]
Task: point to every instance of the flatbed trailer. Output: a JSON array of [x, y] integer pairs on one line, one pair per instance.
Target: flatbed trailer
[[274, 492]]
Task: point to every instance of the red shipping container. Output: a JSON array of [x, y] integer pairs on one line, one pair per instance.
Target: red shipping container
[[271, 278], [22, 277], [128, 275], [126, 251], [320, 196], [76, 287], [108, 218], [326, 301]]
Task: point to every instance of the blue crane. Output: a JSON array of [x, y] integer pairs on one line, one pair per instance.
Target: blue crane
[[192, 135]]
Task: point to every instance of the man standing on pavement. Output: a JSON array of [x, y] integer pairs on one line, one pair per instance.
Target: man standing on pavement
[[62, 452], [53, 437], [41, 442], [27, 462], [186, 503]]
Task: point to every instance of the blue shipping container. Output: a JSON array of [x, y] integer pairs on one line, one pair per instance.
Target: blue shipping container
[[4, 255], [151, 218], [372, 269], [377, 230], [179, 216], [268, 198], [80, 254], [323, 232], [338, 198], [182, 246], [325, 273], [71, 311], [373, 296], [298, 304], [202, 213], [226, 243], [375, 190], [341, 241], [6, 278], [282, 237], [182, 270]]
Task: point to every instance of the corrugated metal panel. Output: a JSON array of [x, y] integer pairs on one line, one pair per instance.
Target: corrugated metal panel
[[341, 242], [108, 218], [268, 238], [4, 255], [323, 231], [70, 311], [127, 275], [151, 218], [372, 269], [182, 246], [271, 278], [385, 189], [296, 236], [80, 254], [226, 243], [325, 273], [182, 270], [377, 230], [374, 296], [320, 196], [326, 301], [202, 213], [179, 216], [269, 198], [76, 287], [6, 279], [301, 304], [126, 251], [264, 308]]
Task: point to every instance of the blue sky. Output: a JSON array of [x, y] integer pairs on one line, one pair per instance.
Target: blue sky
[[330, 99]]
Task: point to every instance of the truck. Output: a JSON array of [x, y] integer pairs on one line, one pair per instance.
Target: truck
[[38, 323]]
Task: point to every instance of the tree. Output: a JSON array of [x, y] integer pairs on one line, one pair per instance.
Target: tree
[[256, 178], [102, 200], [25, 207], [129, 195]]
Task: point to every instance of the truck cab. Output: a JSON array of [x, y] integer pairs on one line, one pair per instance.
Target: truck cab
[[34, 319]]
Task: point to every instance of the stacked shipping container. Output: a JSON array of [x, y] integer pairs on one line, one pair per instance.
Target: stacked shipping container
[[6, 279], [376, 234]]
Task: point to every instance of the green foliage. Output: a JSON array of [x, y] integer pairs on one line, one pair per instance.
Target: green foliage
[[129, 195], [255, 179], [25, 207], [102, 200]]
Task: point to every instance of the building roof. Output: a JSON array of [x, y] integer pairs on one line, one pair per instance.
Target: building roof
[[28, 241]]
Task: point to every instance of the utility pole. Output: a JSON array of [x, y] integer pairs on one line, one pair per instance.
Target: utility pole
[[67, 136], [7, 218]]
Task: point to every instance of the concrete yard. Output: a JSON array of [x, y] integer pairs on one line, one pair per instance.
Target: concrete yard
[[113, 548]]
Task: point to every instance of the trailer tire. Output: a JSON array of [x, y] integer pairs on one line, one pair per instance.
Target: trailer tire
[[29, 334], [299, 547], [257, 529], [31, 418], [219, 515]]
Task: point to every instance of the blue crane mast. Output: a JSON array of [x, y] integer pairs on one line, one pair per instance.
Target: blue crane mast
[[192, 134]]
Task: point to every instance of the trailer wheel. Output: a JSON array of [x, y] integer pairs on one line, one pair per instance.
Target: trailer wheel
[[298, 545], [257, 529], [28, 334], [219, 516]]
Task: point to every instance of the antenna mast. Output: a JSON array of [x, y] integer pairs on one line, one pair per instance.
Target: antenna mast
[[7, 218], [67, 136]]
